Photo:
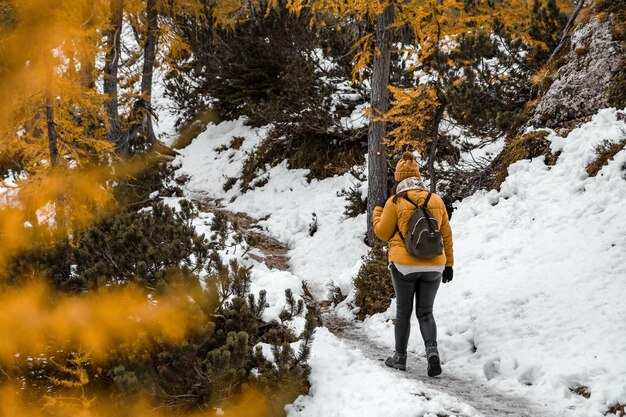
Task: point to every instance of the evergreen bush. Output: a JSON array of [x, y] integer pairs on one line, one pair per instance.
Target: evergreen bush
[[356, 203], [48, 259], [158, 250], [374, 289], [478, 98], [304, 95], [140, 247], [155, 174]]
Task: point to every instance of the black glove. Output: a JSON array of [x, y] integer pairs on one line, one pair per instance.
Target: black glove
[[447, 274]]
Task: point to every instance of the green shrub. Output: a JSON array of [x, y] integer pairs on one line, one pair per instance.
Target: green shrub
[[130, 247], [51, 260], [374, 289], [324, 155], [219, 361], [357, 205], [134, 192], [140, 247], [304, 100], [158, 250]]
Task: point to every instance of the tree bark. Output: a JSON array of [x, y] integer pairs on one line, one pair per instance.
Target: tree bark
[[53, 135], [564, 36], [434, 134], [87, 55], [111, 68], [149, 60], [377, 156]]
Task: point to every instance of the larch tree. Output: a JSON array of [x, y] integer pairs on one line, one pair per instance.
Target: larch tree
[[151, 21], [434, 24], [53, 116], [113, 45]]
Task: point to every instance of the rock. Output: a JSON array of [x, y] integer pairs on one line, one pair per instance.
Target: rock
[[579, 87], [182, 179]]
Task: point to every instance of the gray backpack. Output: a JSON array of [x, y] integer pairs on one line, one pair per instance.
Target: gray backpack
[[423, 238]]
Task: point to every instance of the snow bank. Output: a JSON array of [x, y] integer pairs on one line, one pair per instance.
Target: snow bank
[[536, 306]]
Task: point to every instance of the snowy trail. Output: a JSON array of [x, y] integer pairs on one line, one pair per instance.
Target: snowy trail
[[464, 391], [482, 398], [515, 325]]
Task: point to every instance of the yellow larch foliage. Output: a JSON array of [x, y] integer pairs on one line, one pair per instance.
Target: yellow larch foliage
[[74, 374], [33, 321], [412, 109], [41, 54], [250, 403], [363, 53], [432, 21]]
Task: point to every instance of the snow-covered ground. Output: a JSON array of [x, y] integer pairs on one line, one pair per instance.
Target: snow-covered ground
[[536, 306]]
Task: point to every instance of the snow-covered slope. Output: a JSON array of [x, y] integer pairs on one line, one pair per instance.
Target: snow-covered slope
[[536, 306], [344, 382], [287, 200], [537, 303]]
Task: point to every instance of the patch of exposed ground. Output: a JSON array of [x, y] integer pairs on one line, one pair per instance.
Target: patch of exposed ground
[[270, 251]]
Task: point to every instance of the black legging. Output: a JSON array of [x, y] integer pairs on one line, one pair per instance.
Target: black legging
[[421, 286]]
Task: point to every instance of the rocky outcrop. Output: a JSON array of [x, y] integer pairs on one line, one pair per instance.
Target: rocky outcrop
[[580, 85]]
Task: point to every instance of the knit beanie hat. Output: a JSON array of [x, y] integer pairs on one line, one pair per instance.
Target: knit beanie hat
[[407, 167]]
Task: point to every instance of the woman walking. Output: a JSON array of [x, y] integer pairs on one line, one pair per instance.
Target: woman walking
[[415, 280]]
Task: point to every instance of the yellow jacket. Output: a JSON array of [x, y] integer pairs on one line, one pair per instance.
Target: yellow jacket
[[398, 214]]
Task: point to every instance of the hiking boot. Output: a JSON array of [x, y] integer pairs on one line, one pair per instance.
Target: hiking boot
[[434, 367], [397, 361], [432, 355]]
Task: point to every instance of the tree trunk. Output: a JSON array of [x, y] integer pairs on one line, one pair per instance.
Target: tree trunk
[[434, 134], [111, 67], [87, 54], [431, 164], [52, 130], [149, 60], [564, 36], [376, 149]]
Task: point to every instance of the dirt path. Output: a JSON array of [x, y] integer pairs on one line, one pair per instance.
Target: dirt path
[[269, 250], [467, 389]]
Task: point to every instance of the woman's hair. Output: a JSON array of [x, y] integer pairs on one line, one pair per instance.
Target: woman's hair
[[396, 197]]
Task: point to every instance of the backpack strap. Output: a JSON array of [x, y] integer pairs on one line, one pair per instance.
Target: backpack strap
[[416, 207], [427, 200], [406, 197], [424, 207], [399, 232]]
